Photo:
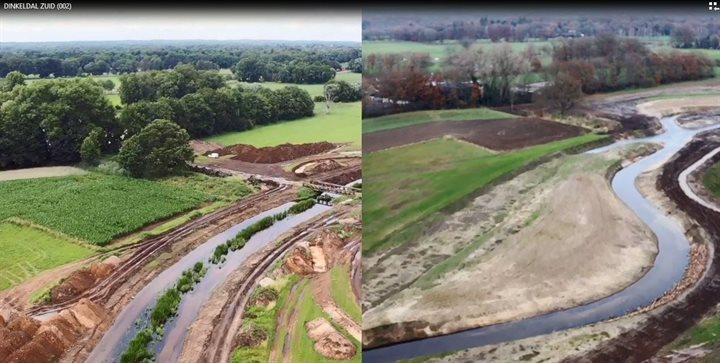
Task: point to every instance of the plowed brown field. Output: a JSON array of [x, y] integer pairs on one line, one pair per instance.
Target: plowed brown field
[[500, 134]]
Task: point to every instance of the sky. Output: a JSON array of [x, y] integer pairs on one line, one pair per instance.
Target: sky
[[229, 24]]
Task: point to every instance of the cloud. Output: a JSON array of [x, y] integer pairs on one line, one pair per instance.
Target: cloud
[[343, 25]]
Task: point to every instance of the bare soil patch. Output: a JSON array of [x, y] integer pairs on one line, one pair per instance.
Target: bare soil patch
[[25, 339], [504, 134], [274, 154], [328, 342], [672, 106]]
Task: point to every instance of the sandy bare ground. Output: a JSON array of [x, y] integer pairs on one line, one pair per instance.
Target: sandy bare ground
[[672, 106], [570, 242], [322, 292], [41, 172], [558, 346]]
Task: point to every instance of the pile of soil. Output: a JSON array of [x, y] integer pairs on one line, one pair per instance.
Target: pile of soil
[[634, 122], [274, 154], [500, 134], [251, 336], [84, 279], [299, 260], [27, 340], [328, 342], [344, 178], [323, 166]]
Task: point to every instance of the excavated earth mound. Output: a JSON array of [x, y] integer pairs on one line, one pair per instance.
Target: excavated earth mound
[[84, 279], [25, 339], [328, 342], [273, 154]]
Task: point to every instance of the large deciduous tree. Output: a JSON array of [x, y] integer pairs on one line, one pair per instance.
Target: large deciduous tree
[[161, 148], [47, 122], [562, 94]]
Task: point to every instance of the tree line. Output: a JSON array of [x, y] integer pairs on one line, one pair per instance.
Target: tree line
[[608, 63], [264, 68], [474, 25], [477, 76], [61, 121], [73, 59]]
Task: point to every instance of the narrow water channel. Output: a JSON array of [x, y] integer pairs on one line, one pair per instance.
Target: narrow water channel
[[666, 272], [136, 314]]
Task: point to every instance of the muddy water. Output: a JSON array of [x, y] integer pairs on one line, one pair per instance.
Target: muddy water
[[135, 316], [668, 269]]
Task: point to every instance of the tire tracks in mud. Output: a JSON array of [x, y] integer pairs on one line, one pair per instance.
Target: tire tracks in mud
[[147, 249], [660, 329], [221, 342]]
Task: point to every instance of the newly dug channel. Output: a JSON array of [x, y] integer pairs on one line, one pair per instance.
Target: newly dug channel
[[659, 279], [493, 252]]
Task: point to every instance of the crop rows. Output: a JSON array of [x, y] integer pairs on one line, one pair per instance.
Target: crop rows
[[94, 207]]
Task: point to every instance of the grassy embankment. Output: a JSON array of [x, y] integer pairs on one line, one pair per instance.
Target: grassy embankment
[[295, 294], [711, 179], [342, 293], [405, 185]]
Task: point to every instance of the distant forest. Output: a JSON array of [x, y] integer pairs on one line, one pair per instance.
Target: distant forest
[[299, 62], [687, 32]]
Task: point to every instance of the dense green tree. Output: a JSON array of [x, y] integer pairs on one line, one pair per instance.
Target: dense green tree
[[250, 68], [47, 122], [296, 103], [342, 91], [91, 147], [161, 148], [356, 65], [13, 79], [108, 84], [135, 116]]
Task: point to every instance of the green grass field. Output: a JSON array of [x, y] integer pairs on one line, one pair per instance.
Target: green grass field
[[342, 292], [342, 124], [313, 89], [96, 207], [421, 117], [711, 179], [26, 252], [405, 185], [302, 349]]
